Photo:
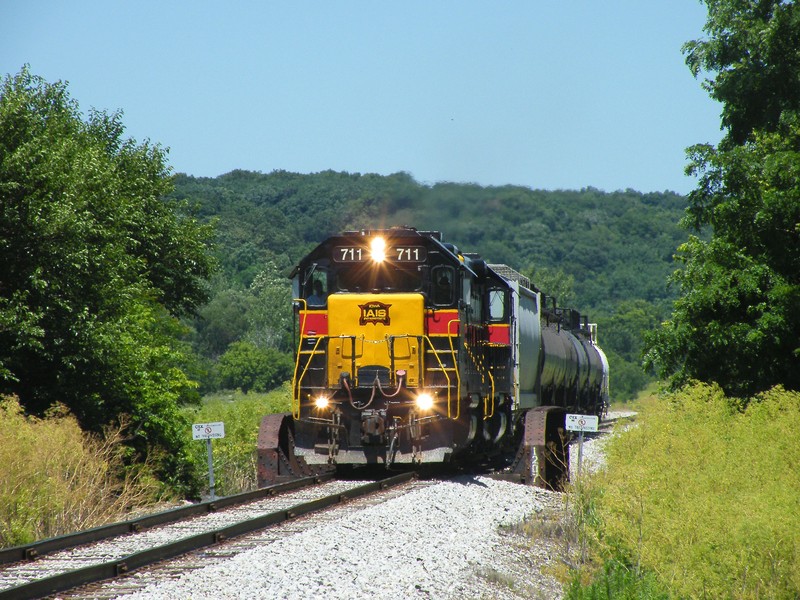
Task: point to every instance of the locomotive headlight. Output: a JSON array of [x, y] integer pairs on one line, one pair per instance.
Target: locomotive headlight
[[321, 402], [378, 249], [424, 401]]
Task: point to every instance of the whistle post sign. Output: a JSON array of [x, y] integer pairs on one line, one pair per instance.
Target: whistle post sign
[[208, 431], [582, 423]]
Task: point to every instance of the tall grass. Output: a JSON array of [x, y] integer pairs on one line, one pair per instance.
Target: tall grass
[[55, 479], [234, 455], [705, 496]]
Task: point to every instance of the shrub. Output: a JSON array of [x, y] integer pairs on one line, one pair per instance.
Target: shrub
[[705, 493], [55, 479]]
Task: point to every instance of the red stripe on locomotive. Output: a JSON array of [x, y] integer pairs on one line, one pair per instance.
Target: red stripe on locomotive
[[441, 322], [500, 334], [314, 323]]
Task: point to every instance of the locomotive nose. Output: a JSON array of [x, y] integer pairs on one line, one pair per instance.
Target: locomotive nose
[[375, 336]]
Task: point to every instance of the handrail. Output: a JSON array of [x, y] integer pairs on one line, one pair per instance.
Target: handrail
[[295, 381], [444, 371], [299, 376], [296, 391], [487, 371], [455, 364], [486, 400]]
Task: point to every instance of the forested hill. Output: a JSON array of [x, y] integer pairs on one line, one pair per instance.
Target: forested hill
[[607, 254]]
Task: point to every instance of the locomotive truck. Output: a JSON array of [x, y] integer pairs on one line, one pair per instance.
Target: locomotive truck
[[411, 352]]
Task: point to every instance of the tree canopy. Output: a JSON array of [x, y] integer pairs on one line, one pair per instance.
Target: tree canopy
[[753, 56], [95, 265], [737, 320]]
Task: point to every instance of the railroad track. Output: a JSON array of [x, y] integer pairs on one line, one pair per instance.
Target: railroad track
[[607, 425], [59, 564]]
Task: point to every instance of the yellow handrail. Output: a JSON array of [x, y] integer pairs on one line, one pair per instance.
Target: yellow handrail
[[444, 370], [478, 362], [297, 380], [299, 376], [455, 365], [487, 401]]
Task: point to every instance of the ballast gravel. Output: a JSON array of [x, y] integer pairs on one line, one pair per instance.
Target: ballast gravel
[[439, 541], [458, 539]]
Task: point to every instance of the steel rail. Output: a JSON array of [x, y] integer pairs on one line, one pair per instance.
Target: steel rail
[[70, 540], [108, 570]]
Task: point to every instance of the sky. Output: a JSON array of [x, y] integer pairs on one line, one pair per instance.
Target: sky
[[547, 94]]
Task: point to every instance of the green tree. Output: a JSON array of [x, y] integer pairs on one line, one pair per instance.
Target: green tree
[[553, 282], [621, 337], [624, 330], [271, 316], [753, 53], [223, 321], [737, 321], [95, 267], [247, 367]]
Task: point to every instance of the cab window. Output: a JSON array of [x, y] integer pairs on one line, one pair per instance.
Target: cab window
[[442, 279], [497, 305], [316, 288]]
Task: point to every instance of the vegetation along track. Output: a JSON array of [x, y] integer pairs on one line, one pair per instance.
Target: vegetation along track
[[64, 563]]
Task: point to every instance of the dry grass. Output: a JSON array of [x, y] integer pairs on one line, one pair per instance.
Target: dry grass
[[55, 479]]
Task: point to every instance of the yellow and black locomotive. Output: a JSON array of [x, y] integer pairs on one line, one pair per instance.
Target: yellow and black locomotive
[[412, 352]]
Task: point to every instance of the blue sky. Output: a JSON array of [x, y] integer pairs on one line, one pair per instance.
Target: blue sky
[[549, 94]]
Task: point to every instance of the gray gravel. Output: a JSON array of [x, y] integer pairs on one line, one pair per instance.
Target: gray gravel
[[448, 540]]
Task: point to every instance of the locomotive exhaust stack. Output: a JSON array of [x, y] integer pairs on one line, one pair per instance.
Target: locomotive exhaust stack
[[410, 352]]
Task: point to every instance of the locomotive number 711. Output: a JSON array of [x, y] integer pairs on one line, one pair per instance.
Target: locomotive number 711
[[406, 254]]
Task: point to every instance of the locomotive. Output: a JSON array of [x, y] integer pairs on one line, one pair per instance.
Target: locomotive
[[411, 352]]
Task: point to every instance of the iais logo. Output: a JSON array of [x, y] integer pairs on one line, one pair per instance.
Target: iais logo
[[374, 312]]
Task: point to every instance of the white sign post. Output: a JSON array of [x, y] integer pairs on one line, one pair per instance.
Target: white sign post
[[207, 432], [581, 423]]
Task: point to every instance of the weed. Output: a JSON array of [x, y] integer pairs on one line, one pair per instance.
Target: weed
[[494, 576], [55, 479], [617, 581]]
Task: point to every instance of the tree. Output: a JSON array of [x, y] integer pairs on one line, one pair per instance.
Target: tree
[[223, 321], [737, 319], [623, 331], [95, 266], [247, 367], [754, 52], [553, 282], [271, 316]]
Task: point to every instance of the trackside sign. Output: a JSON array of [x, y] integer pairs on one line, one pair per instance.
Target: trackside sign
[[582, 422], [208, 431]]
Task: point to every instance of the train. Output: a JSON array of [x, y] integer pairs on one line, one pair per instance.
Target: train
[[411, 352]]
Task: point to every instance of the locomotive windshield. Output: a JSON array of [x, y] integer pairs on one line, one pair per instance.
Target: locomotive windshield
[[380, 278]]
